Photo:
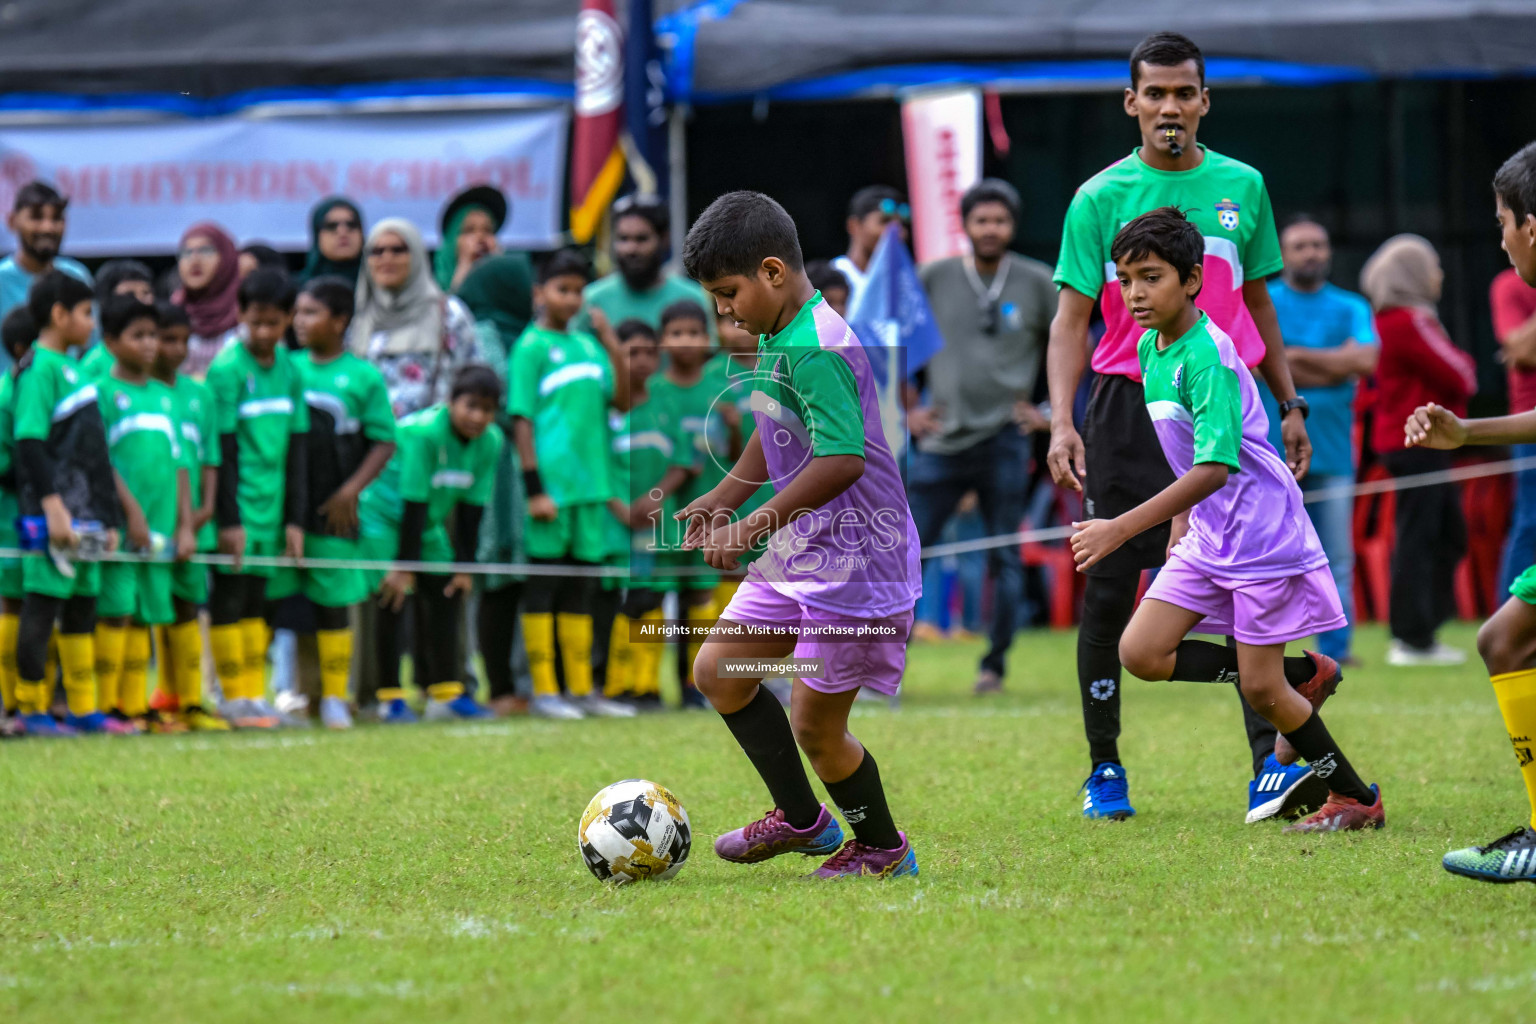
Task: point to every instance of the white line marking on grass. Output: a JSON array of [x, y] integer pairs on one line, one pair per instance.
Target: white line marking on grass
[[235, 743]]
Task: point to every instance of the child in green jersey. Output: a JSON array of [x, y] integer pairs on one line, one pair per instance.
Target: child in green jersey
[[262, 487], [351, 439], [17, 332], [180, 645], [651, 464], [139, 414], [713, 444], [426, 507], [64, 476], [562, 385]]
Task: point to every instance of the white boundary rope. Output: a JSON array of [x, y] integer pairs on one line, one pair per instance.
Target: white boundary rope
[[1473, 472]]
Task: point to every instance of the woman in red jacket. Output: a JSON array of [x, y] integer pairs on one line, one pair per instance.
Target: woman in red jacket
[[1419, 364]]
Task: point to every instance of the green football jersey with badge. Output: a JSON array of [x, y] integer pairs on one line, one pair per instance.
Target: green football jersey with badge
[[349, 411], [143, 442], [434, 465], [646, 443], [197, 429], [263, 406], [56, 404], [1224, 198], [562, 383]]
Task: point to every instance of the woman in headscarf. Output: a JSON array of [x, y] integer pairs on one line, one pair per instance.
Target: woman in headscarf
[[469, 225], [335, 240], [405, 325], [208, 264], [1419, 364], [499, 292]]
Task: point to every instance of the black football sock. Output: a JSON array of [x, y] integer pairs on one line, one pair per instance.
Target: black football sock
[[1312, 741], [861, 798], [762, 729], [1107, 605], [1199, 661]]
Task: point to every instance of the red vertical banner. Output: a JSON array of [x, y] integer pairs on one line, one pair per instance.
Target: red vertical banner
[[597, 160], [942, 133]]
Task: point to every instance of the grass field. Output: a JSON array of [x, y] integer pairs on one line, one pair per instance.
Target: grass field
[[431, 873]]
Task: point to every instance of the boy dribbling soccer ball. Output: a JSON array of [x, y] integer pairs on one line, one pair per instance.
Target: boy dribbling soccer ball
[[840, 576], [1245, 561]]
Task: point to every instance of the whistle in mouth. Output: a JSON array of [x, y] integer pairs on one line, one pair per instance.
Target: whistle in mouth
[[1171, 136]]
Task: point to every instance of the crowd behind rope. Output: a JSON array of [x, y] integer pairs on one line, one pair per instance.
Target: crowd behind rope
[[390, 403]]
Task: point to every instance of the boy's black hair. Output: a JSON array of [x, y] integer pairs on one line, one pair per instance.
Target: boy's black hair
[[563, 263], [1165, 233], [266, 256], [824, 275], [56, 288], [1300, 217], [868, 199], [991, 190], [18, 331], [115, 272], [334, 293], [267, 286], [172, 314], [1165, 50], [118, 311], [1515, 183], [735, 233], [685, 309], [37, 194], [476, 380], [649, 208], [633, 328]]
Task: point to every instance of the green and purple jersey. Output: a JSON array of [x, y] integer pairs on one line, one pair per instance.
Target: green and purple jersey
[[1205, 407]]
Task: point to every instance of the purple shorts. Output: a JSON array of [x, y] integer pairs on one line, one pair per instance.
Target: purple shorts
[[1255, 612], [857, 651]]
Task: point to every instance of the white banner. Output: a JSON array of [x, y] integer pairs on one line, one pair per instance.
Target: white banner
[[133, 188], [942, 131]]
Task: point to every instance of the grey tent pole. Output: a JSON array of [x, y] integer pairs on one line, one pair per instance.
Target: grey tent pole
[[677, 177]]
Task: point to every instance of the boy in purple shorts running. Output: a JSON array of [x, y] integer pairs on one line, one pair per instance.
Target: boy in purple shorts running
[[1245, 561], [840, 575]]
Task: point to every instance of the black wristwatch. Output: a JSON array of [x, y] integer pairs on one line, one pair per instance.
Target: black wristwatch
[[1294, 403]]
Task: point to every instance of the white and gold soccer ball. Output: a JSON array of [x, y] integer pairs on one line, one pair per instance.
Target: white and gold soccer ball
[[634, 830]]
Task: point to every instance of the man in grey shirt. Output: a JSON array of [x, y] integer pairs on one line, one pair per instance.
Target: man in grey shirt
[[994, 311]]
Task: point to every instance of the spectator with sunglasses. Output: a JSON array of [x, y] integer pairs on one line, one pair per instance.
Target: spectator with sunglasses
[[869, 211], [994, 309], [640, 289], [335, 241]]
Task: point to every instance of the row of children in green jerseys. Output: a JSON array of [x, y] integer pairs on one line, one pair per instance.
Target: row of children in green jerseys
[[616, 431], [202, 467], [276, 454]]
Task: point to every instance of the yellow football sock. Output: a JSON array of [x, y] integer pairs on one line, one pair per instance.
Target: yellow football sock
[[539, 642], [335, 661], [8, 680], [110, 644], [724, 591], [698, 615], [1516, 693], [575, 632], [621, 659], [228, 644], [31, 697], [385, 694], [255, 638], [165, 667], [181, 662], [77, 655], [647, 657], [445, 691], [134, 697]]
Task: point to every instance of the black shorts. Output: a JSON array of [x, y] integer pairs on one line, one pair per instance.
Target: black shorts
[[1126, 466]]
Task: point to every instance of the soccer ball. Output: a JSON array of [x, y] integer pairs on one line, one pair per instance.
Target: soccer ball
[[633, 830]]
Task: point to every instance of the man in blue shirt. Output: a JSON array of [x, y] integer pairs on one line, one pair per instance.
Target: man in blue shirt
[[37, 221], [1330, 340]]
